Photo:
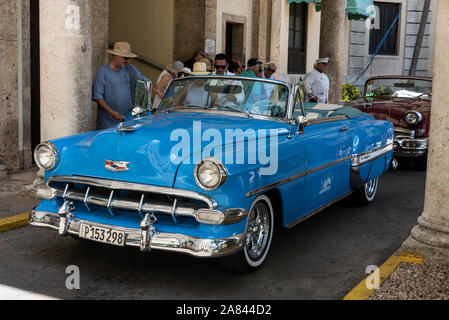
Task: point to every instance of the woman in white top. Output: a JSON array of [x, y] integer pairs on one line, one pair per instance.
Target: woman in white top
[[164, 80]]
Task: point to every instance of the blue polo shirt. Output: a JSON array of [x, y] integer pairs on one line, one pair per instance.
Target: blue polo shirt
[[117, 88]]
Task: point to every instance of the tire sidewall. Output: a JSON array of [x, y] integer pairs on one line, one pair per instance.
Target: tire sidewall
[[258, 263], [371, 198]]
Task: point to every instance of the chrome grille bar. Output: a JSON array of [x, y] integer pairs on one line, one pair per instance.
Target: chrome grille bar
[[111, 196], [120, 185], [140, 207]]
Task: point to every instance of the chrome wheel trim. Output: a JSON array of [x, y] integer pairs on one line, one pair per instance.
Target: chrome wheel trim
[[371, 189], [259, 231]]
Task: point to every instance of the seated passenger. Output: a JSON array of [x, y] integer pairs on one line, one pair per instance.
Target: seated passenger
[[195, 94]]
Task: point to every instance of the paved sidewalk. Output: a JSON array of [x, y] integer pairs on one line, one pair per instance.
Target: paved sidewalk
[[16, 196]]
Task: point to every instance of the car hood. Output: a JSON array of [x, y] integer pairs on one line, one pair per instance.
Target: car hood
[[394, 110], [148, 149]]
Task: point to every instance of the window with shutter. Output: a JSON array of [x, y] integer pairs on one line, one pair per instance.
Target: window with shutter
[[297, 39], [386, 14]]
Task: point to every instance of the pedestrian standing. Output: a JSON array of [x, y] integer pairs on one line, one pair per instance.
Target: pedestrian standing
[[317, 83], [114, 86], [200, 54], [164, 80], [268, 88], [269, 71], [235, 66], [253, 68]]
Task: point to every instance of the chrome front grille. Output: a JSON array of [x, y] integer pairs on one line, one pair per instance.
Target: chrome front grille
[[402, 133], [139, 198]]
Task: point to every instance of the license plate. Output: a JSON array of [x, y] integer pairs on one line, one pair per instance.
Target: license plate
[[104, 235]]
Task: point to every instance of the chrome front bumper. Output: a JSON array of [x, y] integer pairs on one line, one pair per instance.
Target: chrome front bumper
[[410, 148], [146, 239]]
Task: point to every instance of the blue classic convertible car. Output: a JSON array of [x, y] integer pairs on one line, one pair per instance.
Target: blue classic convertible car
[[212, 171]]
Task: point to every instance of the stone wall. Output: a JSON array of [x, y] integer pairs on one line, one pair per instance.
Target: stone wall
[[195, 28], [15, 136], [408, 31], [414, 13]]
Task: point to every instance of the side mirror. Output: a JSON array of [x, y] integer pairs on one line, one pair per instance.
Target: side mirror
[[138, 112], [302, 122]]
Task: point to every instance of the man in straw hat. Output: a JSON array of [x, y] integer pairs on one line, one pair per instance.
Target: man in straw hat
[[114, 86], [317, 83]]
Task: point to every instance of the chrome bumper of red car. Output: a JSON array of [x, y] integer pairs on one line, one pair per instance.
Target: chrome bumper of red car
[[146, 238], [410, 148]]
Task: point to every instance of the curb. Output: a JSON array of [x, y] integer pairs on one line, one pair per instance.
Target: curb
[[361, 292], [15, 222]]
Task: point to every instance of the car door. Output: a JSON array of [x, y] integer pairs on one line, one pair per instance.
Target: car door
[[328, 143]]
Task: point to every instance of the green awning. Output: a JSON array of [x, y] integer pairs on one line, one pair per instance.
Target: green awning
[[355, 9]]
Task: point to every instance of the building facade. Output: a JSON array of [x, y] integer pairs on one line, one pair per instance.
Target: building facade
[[50, 53]]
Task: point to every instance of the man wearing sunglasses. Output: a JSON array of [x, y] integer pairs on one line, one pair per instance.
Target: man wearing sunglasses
[[270, 70], [221, 69], [222, 65]]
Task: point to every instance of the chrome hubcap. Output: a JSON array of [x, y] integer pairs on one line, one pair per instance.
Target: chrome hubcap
[[258, 231], [371, 188]]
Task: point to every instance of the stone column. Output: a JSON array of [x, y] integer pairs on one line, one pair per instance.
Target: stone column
[[15, 149], [275, 32], [431, 236], [66, 67], [100, 42], [332, 43], [260, 36]]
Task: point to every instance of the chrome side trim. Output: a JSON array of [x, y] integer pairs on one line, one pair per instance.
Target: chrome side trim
[[119, 185], [203, 248], [295, 177], [293, 224], [356, 160], [362, 158]]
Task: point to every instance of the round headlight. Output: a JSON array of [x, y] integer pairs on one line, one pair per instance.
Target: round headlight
[[210, 174], [46, 156], [413, 117]]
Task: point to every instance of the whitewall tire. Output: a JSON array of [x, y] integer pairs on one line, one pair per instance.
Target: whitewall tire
[[259, 234]]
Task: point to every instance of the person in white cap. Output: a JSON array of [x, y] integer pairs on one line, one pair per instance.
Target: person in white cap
[[114, 86], [317, 83], [164, 80]]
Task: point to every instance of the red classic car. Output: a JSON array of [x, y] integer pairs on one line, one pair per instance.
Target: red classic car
[[405, 101]]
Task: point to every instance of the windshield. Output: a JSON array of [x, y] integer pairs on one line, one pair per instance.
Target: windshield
[[231, 94], [400, 88]]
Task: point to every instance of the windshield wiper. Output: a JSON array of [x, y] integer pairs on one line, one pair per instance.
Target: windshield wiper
[[235, 109]]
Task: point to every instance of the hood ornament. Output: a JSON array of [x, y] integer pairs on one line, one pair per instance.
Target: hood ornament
[[117, 166]]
